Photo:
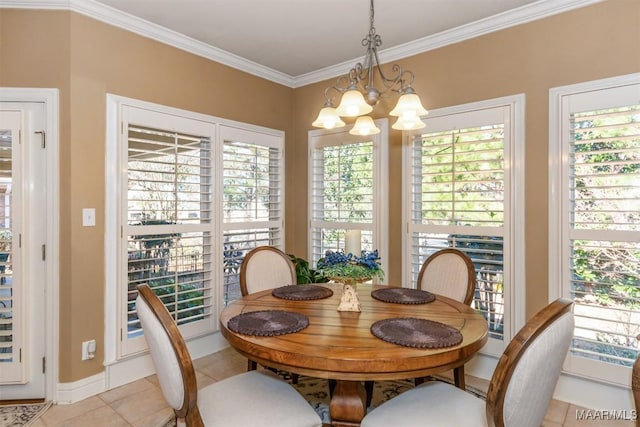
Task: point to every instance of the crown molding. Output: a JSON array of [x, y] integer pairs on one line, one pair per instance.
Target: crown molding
[[522, 15], [111, 16]]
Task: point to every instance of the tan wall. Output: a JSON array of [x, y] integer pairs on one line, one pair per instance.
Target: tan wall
[[86, 59], [590, 43]]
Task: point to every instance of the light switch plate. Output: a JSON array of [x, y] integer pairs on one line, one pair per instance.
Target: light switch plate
[[88, 217]]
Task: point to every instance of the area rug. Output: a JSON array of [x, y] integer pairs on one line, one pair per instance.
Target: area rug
[[21, 415]]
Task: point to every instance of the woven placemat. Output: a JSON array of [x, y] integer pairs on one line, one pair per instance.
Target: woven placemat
[[403, 295], [268, 323], [302, 292], [417, 333]]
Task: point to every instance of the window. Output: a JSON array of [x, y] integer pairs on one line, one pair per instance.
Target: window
[[253, 182], [460, 188], [595, 209], [348, 191], [187, 195], [167, 217]]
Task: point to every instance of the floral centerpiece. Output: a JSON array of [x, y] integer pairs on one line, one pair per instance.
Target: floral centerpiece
[[350, 269]]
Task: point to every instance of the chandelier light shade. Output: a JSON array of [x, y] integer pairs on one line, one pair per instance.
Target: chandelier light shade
[[359, 93], [328, 119], [409, 105], [353, 104], [364, 126]]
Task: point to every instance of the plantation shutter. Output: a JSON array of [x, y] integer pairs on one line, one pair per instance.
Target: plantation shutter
[[13, 336], [458, 197], [347, 191], [167, 219], [601, 238], [253, 181]]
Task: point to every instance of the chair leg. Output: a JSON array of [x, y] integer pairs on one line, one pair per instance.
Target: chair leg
[[332, 386], [251, 365], [294, 378], [368, 387], [458, 377]]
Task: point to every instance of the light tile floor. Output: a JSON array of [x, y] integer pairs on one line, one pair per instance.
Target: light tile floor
[[140, 404]]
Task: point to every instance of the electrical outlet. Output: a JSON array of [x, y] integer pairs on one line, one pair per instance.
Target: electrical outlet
[[88, 349]]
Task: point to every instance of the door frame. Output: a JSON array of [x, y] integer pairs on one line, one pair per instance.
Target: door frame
[[50, 98]]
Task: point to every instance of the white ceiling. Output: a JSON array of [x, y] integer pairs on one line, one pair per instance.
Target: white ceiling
[[296, 42]]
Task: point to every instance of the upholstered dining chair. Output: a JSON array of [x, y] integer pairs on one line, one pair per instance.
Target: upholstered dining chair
[[273, 402], [449, 272], [519, 392], [266, 267]]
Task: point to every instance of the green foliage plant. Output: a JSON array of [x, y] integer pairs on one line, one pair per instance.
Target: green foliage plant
[[304, 273]]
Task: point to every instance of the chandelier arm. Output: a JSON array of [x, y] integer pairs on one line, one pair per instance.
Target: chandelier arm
[[328, 97]]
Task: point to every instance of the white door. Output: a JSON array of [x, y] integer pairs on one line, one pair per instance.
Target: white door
[[22, 251]]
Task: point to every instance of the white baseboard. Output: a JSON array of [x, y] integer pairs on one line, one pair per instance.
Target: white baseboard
[[592, 394], [129, 370], [74, 392]]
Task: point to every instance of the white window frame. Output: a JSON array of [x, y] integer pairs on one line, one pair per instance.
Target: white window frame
[[559, 227], [123, 366], [514, 236], [319, 138]]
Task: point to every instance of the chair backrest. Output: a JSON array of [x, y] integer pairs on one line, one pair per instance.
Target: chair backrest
[[449, 272], [526, 375], [635, 385], [170, 356], [266, 267]]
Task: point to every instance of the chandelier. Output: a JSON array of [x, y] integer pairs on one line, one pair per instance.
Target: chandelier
[[359, 93]]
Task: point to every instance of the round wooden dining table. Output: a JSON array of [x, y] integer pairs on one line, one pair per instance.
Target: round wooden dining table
[[339, 345]]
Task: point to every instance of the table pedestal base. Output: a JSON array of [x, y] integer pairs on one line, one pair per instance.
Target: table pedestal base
[[347, 407]]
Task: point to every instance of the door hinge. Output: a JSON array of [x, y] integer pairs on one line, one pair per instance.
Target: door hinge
[[44, 365], [20, 240], [44, 252], [20, 356], [44, 137]]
